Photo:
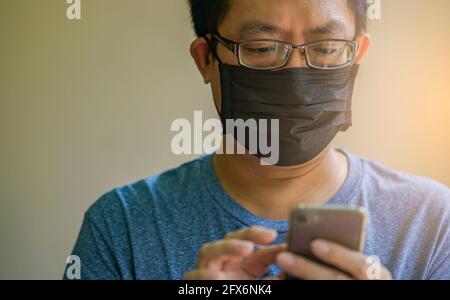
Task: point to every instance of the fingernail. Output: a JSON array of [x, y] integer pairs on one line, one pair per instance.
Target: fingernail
[[286, 259], [320, 247], [269, 231], [248, 246]]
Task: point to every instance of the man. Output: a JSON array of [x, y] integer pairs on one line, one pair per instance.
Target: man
[[225, 216]]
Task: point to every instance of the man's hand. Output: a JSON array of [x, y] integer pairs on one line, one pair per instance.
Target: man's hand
[[353, 265], [235, 257]]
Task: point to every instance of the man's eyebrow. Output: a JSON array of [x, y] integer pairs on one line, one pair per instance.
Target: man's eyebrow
[[254, 27], [331, 27]]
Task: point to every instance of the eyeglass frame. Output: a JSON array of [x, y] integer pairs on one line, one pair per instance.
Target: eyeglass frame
[[234, 47]]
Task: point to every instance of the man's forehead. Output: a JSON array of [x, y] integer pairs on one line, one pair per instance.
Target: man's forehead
[[280, 17]]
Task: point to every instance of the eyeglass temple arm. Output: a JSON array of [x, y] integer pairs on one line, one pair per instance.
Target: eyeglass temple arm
[[212, 46], [230, 45]]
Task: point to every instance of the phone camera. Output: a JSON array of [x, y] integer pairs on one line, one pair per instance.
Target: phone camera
[[308, 219], [301, 219]]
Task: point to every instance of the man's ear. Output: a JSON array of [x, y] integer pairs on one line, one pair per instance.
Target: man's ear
[[363, 45], [201, 54]]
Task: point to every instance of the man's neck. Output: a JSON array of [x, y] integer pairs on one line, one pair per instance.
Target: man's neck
[[271, 192]]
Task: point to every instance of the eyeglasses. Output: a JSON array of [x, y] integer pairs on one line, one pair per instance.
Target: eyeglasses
[[267, 54]]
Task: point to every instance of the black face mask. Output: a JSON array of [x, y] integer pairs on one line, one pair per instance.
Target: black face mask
[[312, 106]]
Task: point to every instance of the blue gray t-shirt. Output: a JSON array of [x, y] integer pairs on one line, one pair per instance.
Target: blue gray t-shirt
[[154, 228]]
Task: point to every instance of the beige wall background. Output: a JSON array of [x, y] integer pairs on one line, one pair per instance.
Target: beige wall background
[[86, 106]]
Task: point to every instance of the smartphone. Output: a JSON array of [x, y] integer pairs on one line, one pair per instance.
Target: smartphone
[[345, 225]]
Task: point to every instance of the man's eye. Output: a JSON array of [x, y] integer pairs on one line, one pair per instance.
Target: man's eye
[[261, 50], [326, 51]]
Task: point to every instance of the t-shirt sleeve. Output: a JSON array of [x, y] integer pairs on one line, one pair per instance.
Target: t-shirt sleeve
[[93, 247], [440, 267], [440, 263]]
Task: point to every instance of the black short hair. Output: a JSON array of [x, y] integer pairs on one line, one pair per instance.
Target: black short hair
[[208, 14]]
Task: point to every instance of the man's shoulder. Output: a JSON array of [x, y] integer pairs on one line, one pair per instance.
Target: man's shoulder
[[150, 191], [401, 187]]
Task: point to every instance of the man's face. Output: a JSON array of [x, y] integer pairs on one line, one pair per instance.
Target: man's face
[[294, 21]]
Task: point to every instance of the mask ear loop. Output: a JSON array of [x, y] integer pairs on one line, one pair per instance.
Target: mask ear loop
[[212, 47]]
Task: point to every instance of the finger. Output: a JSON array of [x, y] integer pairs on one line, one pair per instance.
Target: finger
[[203, 274], [212, 255], [350, 261], [256, 234], [303, 268], [259, 262]]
